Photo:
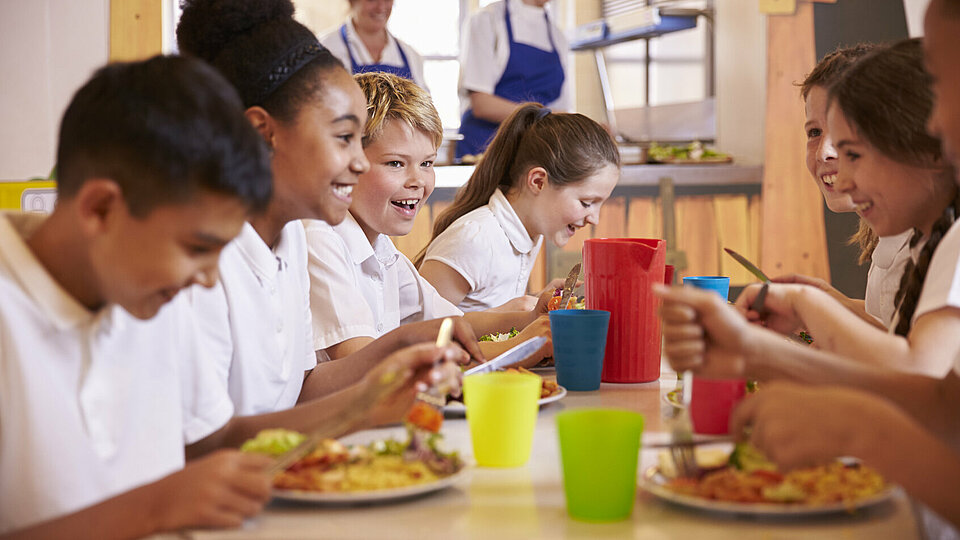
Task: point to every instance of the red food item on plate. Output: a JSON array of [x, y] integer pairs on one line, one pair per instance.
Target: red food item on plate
[[425, 416]]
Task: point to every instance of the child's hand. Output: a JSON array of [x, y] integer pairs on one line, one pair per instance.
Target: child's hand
[[218, 490], [702, 333], [520, 303], [780, 315], [539, 327], [834, 422], [405, 370]]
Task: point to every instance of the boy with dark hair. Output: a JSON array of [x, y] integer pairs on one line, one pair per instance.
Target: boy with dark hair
[[158, 170]]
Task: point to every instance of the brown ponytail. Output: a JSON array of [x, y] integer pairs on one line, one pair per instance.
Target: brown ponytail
[[865, 239], [569, 146]]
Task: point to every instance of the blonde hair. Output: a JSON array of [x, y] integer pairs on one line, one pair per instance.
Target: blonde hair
[[390, 97]]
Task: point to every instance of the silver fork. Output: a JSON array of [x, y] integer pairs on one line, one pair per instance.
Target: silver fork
[[681, 431]]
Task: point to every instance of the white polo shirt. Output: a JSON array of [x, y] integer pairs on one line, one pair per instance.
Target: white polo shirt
[[257, 321], [345, 268], [486, 49], [883, 279], [941, 288], [390, 55], [492, 250], [90, 402]]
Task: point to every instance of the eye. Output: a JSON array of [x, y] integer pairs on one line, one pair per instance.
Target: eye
[[586, 204], [813, 133], [348, 137], [427, 164], [199, 250], [852, 156], [395, 164]]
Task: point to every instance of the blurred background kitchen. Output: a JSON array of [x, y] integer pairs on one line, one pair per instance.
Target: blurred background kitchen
[[720, 73]]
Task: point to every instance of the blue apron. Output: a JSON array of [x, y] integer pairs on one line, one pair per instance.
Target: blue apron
[[531, 74], [400, 71]]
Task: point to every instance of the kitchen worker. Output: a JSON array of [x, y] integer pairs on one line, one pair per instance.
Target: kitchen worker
[[364, 44], [512, 53]]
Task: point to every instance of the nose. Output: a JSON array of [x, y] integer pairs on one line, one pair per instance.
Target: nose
[[933, 123], [826, 150], [844, 183], [593, 218], [359, 164]]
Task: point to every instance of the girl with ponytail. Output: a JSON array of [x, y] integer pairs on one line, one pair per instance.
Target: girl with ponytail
[[544, 175]]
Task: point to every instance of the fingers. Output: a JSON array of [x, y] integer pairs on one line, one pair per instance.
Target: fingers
[[747, 296], [464, 335], [699, 300]]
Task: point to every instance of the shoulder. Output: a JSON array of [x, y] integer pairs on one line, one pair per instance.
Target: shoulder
[[475, 227]]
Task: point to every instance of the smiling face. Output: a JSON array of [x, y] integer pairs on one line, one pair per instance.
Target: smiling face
[[941, 56], [891, 196], [317, 157], [821, 155], [400, 179], [141, 263], [371, 15], [560, 211]]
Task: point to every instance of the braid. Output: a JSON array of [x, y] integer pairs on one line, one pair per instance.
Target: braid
[[914, 274]]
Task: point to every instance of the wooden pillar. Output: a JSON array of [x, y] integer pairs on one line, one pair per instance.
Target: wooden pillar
[[793, 239], [136, 29]]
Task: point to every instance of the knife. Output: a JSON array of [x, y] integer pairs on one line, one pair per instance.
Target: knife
[[748, 265], [569, 284], [509, 358]]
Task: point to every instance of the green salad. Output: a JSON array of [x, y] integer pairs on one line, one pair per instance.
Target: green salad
[[497, 336]]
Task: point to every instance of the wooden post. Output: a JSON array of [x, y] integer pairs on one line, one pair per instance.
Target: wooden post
[[136, 29], [793, 238]]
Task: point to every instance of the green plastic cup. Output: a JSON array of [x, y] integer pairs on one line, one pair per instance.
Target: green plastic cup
[[599, 449], [501, 411]]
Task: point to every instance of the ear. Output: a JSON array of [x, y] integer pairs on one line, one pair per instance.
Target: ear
[[536, 180], [97, 203], [262, 122]]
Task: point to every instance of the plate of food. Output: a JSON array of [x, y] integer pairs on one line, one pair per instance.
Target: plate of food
[[742, 482], [550, 391], [384, 470], [692, 154]]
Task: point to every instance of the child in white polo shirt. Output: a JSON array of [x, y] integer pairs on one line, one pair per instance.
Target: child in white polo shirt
[[361, 285], [543, 175], [157, 171], [310, 112]]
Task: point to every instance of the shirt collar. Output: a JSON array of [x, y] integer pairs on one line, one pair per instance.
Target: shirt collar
[[265, 262], [510, 222], [361, 250], [357, 44], [59, 306]]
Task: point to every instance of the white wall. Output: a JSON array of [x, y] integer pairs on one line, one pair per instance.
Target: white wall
[[48, 48], [741, 79]]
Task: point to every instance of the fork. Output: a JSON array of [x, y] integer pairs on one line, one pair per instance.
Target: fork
[[681, 431]]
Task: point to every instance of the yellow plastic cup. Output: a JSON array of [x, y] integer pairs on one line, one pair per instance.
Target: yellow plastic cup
[[501, 411]]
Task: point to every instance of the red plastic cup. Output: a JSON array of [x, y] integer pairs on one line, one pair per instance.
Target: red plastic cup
[[711, 404]]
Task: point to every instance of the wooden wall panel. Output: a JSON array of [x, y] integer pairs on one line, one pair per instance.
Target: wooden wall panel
[[136, 29], [733, 231], [613, 219], [697, 235], [794, 239], [644, 218]]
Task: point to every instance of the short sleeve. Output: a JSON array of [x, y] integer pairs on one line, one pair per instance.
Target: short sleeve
[[337, 305], [941, 287], [419, 300], [460, 247], [334, 43], [204, 330], [480, 68]]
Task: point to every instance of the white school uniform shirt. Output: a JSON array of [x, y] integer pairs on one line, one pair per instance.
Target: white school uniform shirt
[[486, 49], [257, 321], [91, 403], [887, 262], [390, 55], [345, 269], [491, 249], [941, 287]]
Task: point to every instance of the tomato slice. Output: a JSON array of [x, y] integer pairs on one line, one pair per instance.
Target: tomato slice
[[425, 416], [768, 475]]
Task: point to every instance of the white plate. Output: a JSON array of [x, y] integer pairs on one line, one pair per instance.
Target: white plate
[[655, 483], [366, 497], [457, 407]]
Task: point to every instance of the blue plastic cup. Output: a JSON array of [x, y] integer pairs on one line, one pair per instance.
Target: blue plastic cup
[[579, 341], [719, 284]]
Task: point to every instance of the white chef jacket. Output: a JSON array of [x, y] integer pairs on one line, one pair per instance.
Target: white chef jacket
[[256, 321], [91, 403], [389, 56], [345, 268], [486, 49], [492, 250]]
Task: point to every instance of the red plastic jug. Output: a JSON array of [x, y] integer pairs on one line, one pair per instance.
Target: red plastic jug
[[619, 273]]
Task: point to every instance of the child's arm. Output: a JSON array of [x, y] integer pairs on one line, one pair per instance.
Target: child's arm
[[448, 282], [856, 306], [217, 491], [491, 107]]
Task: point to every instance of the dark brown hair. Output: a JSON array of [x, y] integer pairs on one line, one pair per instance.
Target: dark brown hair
[[824, 74], [569, 146], [886, 98]]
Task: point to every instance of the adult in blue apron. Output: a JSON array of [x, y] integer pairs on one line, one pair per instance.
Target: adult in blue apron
[[400, 71], [531, 74]]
